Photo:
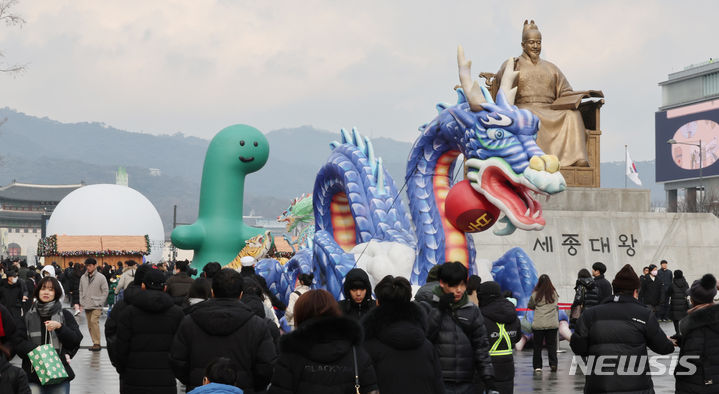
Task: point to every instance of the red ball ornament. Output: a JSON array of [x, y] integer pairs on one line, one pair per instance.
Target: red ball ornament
[[468, 210]]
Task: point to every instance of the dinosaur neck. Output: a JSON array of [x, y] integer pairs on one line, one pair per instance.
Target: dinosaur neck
[[222, 191]]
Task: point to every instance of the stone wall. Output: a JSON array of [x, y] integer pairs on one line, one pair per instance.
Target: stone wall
[[573, 240]]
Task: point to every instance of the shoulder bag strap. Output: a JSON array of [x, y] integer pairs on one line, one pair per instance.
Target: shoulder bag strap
[[354, 357]]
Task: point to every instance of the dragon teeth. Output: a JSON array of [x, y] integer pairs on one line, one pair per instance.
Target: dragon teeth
[[527, 213], [536, 215]]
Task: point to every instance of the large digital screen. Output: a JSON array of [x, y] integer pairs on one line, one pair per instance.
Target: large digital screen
[[688, 126]]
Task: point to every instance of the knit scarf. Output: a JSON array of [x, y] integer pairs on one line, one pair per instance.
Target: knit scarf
[[34, 321]]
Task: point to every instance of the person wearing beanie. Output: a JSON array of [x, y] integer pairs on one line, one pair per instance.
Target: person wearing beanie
[[698, 336], [424, 293], [358, 294], [146, 329], [503, 331], [678, 304], [619, 326]]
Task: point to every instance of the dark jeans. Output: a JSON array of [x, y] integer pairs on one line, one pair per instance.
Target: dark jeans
[[676, 326], [663, 309], [540, 336]]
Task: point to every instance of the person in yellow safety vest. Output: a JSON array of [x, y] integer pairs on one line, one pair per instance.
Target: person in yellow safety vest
[[503, 331]]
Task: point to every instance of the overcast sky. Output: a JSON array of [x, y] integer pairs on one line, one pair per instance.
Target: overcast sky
[[198, 66]]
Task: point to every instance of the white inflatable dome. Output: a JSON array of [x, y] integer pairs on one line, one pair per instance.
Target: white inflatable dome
[[108, 210]]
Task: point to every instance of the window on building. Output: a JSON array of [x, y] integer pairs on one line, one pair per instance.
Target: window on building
[[13, 250], [26, 229]]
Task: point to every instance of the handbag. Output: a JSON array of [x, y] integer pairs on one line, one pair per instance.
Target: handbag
[[575, 312], [47, 364], [354, 357]]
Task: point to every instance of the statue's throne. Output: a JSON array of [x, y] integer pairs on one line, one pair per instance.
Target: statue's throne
[[588, 104]]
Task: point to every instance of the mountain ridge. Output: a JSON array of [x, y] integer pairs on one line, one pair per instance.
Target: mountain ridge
[[42, 150]]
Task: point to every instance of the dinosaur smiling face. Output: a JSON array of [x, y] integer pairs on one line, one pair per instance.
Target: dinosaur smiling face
[[505, 164], [242, 147]]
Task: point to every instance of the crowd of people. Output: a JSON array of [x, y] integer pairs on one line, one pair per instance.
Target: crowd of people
[[220, 332]]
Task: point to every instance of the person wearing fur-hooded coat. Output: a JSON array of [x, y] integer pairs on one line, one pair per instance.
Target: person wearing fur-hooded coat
[[698, 340], [404, 359], [324, 355]]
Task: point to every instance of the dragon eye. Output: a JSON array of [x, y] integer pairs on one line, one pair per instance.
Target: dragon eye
[[495, 134], [242, 143]]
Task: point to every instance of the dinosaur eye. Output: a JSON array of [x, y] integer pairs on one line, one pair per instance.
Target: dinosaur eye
[[242, 143], [495, 134], [255, 144]]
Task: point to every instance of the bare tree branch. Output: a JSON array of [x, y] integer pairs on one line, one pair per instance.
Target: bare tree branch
[[10, 19], [7, 16]]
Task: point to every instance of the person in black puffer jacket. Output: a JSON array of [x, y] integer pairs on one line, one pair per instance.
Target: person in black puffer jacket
[[620, 326], [319, 356], [586, 293], [503, 330], [145, 332], [358, 294], [678, 304], [604, 288], [13, 380], [224, 327], [456, 328], [395, 338], [699, 339], [113, 318]]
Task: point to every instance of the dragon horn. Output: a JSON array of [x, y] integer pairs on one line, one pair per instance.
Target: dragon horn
[[346, 137], [472, 90], [359, 143]]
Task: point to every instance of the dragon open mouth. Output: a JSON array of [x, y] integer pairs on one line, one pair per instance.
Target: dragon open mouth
[[514, 194], [246, 159]]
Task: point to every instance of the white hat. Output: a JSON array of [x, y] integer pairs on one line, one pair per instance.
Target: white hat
[[248, 261]]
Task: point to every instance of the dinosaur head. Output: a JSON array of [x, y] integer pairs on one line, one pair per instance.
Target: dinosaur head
[[240, 146]]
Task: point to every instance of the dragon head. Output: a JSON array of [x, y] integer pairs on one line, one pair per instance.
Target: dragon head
[[299, 212], [503, 160]]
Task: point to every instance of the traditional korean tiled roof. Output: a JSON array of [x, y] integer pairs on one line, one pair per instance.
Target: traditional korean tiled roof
[[33, 192]]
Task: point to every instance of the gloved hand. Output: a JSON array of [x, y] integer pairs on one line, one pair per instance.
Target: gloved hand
[[489, 385], [445, 301]]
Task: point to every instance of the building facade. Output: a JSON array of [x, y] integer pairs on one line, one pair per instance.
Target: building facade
[[24, 211], [687, 138]]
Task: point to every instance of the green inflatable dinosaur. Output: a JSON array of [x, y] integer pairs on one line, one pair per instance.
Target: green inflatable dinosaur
[[219, 232]]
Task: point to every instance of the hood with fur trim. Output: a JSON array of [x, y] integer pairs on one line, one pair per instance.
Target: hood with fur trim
[[323, 339], [708, 316]]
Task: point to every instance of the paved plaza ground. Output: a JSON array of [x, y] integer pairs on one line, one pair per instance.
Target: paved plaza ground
[[95, 374]]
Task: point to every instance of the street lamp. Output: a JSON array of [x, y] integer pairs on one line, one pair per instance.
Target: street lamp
[[701, 166]]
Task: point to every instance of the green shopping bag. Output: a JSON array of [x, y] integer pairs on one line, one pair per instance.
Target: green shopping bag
[[47, 364]]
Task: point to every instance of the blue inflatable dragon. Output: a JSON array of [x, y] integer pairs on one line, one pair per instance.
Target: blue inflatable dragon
[[360, 220]]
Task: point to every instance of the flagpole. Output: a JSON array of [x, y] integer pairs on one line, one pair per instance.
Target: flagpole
[[625, 166]]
